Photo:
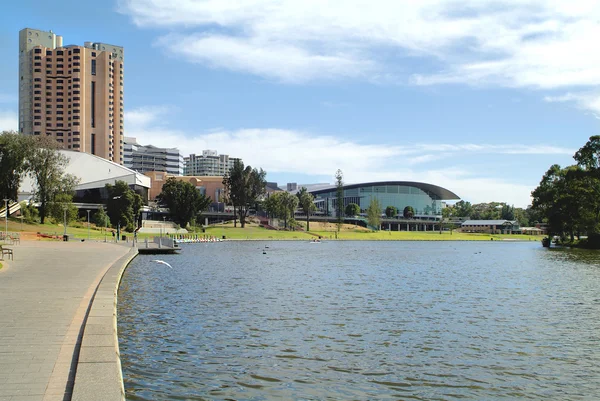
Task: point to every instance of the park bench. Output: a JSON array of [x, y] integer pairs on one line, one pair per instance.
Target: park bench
[[7, 251], [15, 238]]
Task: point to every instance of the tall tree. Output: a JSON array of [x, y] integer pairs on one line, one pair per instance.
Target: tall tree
[[15, 149], [46, 167], [100, 218], [183, 200], [339, 195], [307, 203], [374, 213], [408, 212], [245, 187], [123, 205]]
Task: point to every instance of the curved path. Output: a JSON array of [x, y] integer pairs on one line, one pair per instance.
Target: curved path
[[45, 296]]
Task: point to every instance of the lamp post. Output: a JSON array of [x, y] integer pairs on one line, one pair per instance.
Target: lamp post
[[65, 221], [88, 212], [118, 221], [5, 218]]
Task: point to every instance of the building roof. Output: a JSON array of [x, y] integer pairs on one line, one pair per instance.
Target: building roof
[[440, 192], [489, 222], [93, 172]]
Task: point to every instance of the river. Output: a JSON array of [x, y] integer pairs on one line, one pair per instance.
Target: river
[[257, 320]]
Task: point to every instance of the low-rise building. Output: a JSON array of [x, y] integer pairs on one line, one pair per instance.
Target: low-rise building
[[211, 186], [491, 226]]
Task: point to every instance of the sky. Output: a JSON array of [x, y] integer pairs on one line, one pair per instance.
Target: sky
[[480, 97]]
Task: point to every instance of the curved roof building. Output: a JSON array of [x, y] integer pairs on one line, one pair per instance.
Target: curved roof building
[[425, 199]]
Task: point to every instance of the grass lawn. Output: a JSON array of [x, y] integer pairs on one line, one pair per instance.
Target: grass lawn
[[253, 232]]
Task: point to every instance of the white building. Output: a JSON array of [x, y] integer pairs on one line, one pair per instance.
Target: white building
[[151, 158], [209, 163], [94, 173]]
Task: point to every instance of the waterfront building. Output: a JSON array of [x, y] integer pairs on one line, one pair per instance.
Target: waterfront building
[[491, 226], [93, 173], [425, 199], [72, 94], [209, 163], [151, 158]]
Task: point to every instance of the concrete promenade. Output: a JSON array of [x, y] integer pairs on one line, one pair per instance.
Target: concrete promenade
[[45, 297]]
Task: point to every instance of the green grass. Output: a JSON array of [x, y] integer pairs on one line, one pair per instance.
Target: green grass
[[254, 232]]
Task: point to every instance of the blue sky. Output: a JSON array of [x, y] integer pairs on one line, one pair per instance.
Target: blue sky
[[480, 97]]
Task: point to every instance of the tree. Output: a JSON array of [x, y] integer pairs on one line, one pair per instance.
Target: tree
[[100, 218], [374, 213], [462, 209], [307, 203], [29, 212], [408, 212], [244, 187], [123, 205], [183, 200], [46, 167], [391, 211], [56, 208], [352, 209], [339, 195], [15, 149], [282, 205]]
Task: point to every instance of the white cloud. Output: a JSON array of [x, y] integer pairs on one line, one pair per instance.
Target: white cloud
[[296, 152], [528, 43], [8, 121], [584, 100]]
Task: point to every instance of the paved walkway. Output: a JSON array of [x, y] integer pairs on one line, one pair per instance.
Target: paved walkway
[[44, 296]]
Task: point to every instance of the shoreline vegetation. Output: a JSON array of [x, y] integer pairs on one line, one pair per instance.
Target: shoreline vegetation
[[252, 231]]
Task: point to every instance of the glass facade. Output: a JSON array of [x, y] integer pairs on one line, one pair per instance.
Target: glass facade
[[424, 203]]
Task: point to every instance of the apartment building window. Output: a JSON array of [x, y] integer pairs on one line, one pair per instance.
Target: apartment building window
[[48, 72], [59, 52], [59, 93], [37, 98], [37, 51], [48, 81], [59, 106], [59, 87], [76, 70], [76, 51], [59, 81], [76, 123], [59, 134], [93, 104], [60, 72], [37, 70], [37, 58], [38, 86], [60, 60], [76, 64], [94, 67], [93, 144], [48, 65], [36, 133], [37, 123], [49, 87], [48, 112], [37, 80], [76, 79], [76, 85], [48, 52], [37, 92], [60, 66], [37, 64], [37, 105], [37, 111], [76, 57]]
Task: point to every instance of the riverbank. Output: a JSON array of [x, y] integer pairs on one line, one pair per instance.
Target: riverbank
[[46, 314]]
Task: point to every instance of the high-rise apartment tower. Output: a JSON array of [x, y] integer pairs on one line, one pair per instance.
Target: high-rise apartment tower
[[209, 163], [73, 94]]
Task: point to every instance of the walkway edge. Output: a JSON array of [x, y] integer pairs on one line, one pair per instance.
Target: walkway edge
[[99, 376]]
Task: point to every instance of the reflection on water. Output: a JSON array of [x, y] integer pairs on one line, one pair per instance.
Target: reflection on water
[[362, 321]]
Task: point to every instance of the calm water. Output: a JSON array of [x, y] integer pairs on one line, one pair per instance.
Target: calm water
[[362, 321]]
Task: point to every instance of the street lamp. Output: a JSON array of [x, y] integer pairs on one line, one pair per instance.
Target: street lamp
[[118, 221], [6, 218], [164, 217], [65, 221], [88, 212]]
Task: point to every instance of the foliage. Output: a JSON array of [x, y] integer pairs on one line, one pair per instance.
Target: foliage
[[183, 200], [352, 209], [15, 149], [244, 187], [46, 167], [56, 208], [568, 199], [408, 212], [374, 213], [123, 205], [282, 205], [307, 203], [30, 213], [339, 195], [100, 218], [391, 211]]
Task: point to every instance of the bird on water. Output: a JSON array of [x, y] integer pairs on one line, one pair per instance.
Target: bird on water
[[162, 262]]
